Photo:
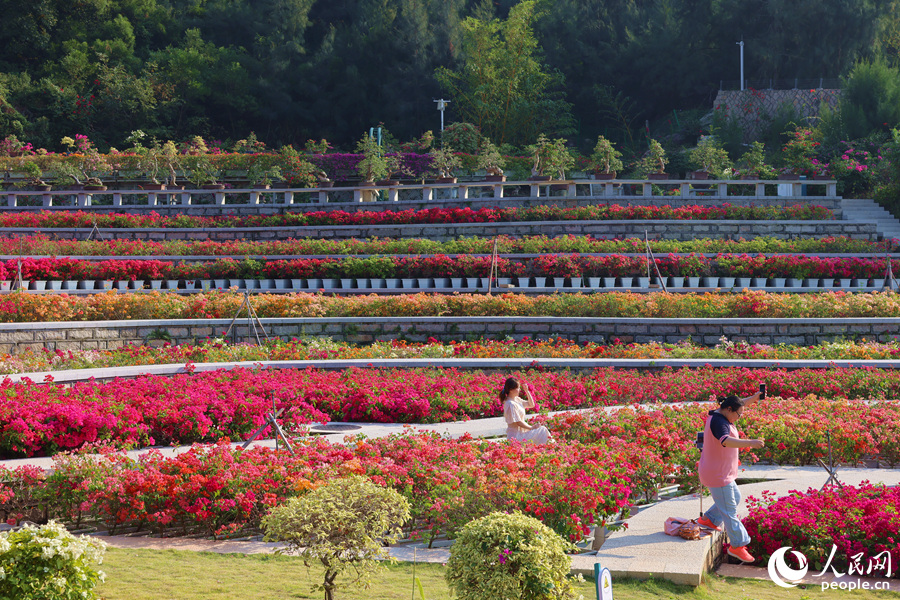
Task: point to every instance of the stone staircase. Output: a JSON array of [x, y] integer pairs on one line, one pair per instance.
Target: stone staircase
[[868, 211]]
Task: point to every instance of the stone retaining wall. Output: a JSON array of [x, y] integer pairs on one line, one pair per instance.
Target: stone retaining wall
[[15, 337], [656, 229]]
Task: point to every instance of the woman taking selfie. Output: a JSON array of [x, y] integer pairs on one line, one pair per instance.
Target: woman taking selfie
[[514, 413], [718, 468]]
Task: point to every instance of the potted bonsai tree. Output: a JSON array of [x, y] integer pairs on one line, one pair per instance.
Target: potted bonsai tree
[[606, 161], [33, 176], [202, 173], [490, 159], [755, 161], [540, 153], [653, 163], [373, 165], [709, 157], [89, 163], [395, 167], [261, 175], [444, 161], [148, 159]]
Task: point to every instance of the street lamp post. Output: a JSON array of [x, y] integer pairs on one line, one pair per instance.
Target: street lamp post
[[741, 44], [441, 105]]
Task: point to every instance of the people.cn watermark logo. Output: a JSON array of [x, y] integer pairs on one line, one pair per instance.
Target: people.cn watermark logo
[[786, 576], [781, 573]]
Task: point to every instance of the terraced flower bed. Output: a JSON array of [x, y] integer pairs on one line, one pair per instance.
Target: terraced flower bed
[[446, 267], [31, 308], [38, 418], [328, 349], [434, 215], [37, 245]]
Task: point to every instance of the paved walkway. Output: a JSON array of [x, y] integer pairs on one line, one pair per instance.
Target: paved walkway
[[639, 551]]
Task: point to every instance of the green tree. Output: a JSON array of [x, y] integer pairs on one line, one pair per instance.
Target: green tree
[[342, 525], [502, 87]]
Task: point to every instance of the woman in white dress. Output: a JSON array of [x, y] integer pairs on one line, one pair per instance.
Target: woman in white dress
[[514, 412]]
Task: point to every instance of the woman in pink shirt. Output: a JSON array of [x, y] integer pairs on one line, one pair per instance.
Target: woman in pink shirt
[[718, 469]]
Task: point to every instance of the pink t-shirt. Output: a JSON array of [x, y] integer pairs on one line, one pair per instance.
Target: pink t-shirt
[[718, 465]]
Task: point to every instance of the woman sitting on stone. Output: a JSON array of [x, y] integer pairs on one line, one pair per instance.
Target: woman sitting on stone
[[514, 413]]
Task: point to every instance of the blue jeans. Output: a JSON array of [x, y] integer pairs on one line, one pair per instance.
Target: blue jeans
[[724, 510]]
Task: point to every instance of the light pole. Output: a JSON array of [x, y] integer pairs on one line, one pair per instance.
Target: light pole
[[441, 105], [741, 44]]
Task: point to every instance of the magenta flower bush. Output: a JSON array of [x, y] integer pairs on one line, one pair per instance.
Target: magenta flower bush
[[861, 519]]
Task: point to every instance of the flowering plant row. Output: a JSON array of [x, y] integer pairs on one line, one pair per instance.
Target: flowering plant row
[[795, 429], [36, 245], [218, 490], [203, 407], [424, 216], [461, 265], [859, 523], [328, 349], [31, 308]]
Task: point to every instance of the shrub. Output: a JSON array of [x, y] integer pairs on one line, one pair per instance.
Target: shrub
[[505, 556], [343, 524], [49, 563]]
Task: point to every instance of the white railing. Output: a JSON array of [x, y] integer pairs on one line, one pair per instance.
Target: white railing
[[428, 192]]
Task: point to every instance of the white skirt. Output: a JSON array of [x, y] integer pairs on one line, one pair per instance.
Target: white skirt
[[539, 435]]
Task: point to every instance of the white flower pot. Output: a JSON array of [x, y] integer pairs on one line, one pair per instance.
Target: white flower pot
[[575, 282], [55, 285], [484, 281], [251, 284], [156, 284], [297, 284], [107, 284], [137, 284], [220, 284], [377, 283], [540, 282], [811, 282], [523, 281], [559, 282], [726, 282], [758, 282], [346, 284], [693, 282], [392, 284], [594, 282], [827, 283], [70, 285], [362, 283], [709, 282], [778, 282], [5, 285], [846, 283], [877, 284], [472, 282], [171, 284], [423, 283], [643, 282], [281, 284], [87, 284], [627, 282], [792, 282], [39, 285], [456, 282], [504, 281], [266, 284], [317, 284], [442, 282], [742, 282], [609, 282], [122, 285], [408, 283]]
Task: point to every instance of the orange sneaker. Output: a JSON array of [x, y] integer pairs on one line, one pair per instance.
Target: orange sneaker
[[707, 523], [740, 553]]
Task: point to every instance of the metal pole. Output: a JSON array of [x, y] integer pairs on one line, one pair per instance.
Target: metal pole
[[741, 44]]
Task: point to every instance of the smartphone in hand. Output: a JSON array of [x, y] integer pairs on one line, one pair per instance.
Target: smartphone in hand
[[762, 391]]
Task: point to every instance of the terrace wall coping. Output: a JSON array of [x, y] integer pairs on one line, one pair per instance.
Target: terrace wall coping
[[581, 364]]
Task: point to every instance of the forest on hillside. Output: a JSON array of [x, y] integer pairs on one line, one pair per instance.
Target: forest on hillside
[[290, 70]]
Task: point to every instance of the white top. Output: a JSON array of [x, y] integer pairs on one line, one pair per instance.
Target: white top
[[514, 412]]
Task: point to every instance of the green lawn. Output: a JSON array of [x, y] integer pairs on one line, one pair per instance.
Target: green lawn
[[174, 575]]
